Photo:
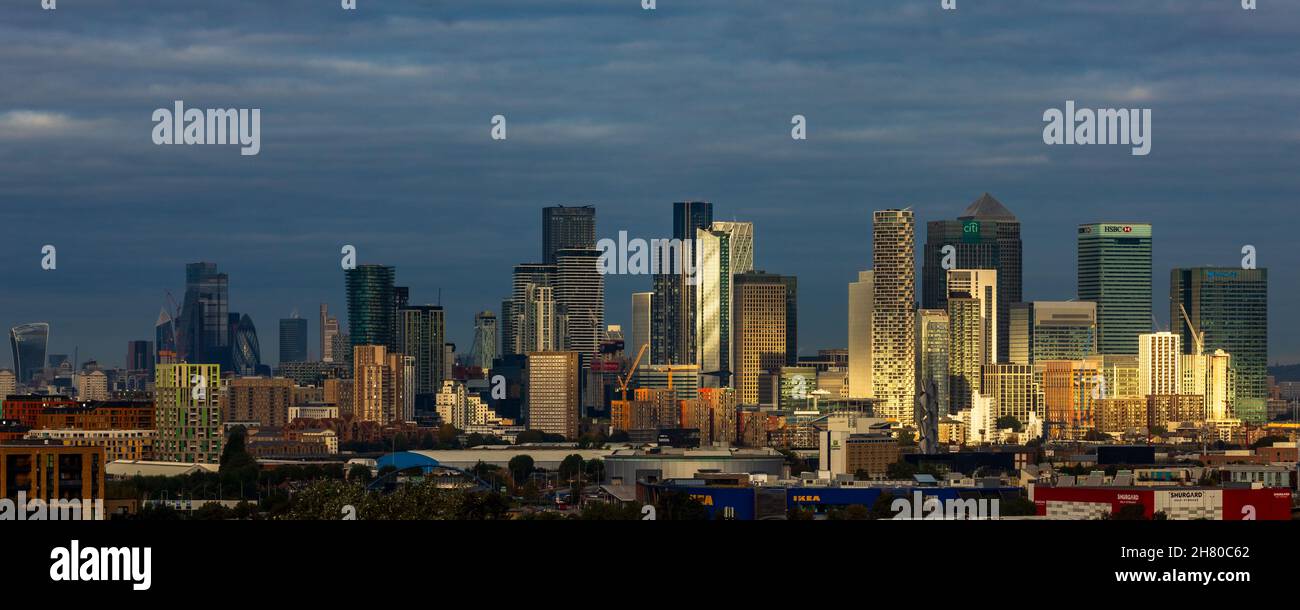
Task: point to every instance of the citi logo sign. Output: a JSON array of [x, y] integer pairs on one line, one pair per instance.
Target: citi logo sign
[[102, 564]]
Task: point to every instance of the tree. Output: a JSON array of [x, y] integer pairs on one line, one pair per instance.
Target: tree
[[447, 434], [521, 467], [570, 467], [884, 507], [1267, 441], [1009, 421], [237, 467], [852, 512], [359, 473], [1096, 435], [900, 470], [907, 436]]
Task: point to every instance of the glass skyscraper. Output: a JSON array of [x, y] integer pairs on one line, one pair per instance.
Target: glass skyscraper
[[29, 343], [245, 350], [672, 330], [1114, 271], [293, 339], [1229, 306], [204, 329], [422, 334], [371, 305], [985, 236], [567, 228]]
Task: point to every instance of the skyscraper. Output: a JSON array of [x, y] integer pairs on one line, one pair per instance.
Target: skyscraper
[[139, 356], [204, 331], [422, 336], [932, 345], [861, 295], [740, 237], [245, 349], [372, 306], [526, 279], [485, 340], [759, 328], [538, 326], [1229, 308], [1158, 363], [380, 384], [893, 317], [673, 306], [553, 393], [165, 335], [580, 295], [329, 330], [713, 306], [791, 319], [985, 236], [1114, 262], [293, 339], [29, 343], [1061, 330], [641, 317], [566, 228], [187, 413]]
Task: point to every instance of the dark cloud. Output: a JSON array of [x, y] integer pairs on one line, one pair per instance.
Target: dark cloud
[[375, 133]]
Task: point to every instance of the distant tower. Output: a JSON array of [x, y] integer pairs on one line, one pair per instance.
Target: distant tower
[[567, 228], [293, 338], [372, 306], [29, 342], [893, 315], [329, 330], [485, 340]]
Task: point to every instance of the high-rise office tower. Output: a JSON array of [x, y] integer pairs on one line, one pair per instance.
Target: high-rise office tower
[[526, 279], [985, 236], [1020, 329], [580, 294], [165, 335], [861, 295], [791, 319], [204, 330], [553, 393], [740, 239], [1053, 330], [893, 315], [932, 343], [537, 321], [565, 228], [1229, 308], [139, 356], [329, 329], [29, 343], [1158, 363], [673, 306], [293, 339], [187, 413], [967, 337], [422, 336], [1012, 389], [1070, 392], [1114, 262], [981, 284], [713, 306], [372, 306], [380, 384], [245, 349], [485, 340], [641, 317], [8, 383], [759, 328], [1210, 375], [973, 331], [506, 327]]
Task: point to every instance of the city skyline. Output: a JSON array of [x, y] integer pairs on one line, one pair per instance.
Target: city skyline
[[420, 185]]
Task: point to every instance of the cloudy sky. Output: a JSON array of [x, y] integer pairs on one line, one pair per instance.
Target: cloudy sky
[[375, 132]]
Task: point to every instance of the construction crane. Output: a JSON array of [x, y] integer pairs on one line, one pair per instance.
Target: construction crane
[[1199, 338], [626, 379]]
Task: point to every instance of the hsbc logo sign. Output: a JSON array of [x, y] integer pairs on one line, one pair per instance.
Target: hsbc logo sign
[[1117, 229]]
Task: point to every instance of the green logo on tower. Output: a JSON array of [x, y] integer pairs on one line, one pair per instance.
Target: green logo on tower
[[970, 232]]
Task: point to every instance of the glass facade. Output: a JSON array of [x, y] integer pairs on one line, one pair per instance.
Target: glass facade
[[1229, 306], [29, 342], [371, 305], [1114, 271]]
